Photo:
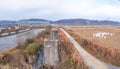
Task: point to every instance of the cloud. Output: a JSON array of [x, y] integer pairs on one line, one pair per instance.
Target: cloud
[[52, 9], [90, 9], [17, 5], [108, 10]]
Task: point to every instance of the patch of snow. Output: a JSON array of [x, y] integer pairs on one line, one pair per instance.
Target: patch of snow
[[103, 34]]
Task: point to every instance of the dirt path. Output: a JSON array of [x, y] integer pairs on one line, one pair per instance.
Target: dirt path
[[91, 62]]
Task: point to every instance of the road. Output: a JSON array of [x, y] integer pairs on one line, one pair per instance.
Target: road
[[90, 61]]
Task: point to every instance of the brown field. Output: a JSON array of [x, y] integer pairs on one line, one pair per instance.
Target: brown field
[[88, 31], [101, 48]]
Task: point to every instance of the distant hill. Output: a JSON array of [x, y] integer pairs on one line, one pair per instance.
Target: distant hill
[[66, 22], [7, 22], [35, 20], [26, 21], [85, 22]]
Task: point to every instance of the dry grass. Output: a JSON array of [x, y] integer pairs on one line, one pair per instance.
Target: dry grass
[[106, 54], [110, 41]]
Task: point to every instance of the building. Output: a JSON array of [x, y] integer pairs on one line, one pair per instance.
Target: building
[[51, 52]]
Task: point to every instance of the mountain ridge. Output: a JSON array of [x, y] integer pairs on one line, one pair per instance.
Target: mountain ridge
[[85, 22], [66, 22]]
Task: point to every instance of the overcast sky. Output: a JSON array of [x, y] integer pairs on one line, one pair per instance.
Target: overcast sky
[[60, 9]]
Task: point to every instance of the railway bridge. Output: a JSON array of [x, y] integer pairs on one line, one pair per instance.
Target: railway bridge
[[6, 30]]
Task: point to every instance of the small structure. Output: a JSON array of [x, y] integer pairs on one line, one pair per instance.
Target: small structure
[[51, 53], [16, 27], [0, 29]]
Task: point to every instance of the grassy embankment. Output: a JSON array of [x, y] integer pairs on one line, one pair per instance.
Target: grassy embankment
[[24, 54], [106, 54]]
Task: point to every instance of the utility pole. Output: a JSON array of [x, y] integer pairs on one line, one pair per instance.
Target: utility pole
[[108, 20]]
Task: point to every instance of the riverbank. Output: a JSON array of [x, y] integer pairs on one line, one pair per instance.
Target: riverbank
[[14, 40], [2, 53], [23, 55]]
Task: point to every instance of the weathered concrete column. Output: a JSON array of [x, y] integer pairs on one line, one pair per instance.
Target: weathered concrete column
[[53, 34], [46, 52], [9, 33], [51, 53], [17, 31], [0, 34]]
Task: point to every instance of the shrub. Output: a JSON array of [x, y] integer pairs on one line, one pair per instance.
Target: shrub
[[68, 61], [6, 59], [1, 60], [25, 54], [32, 48]]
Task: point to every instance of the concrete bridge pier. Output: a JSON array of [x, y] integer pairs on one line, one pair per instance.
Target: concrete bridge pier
[[9, 33], [51, 52], [30, 27], [17, 31]]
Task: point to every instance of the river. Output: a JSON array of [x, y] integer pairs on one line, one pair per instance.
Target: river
[[39, 63], [12, 41]]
